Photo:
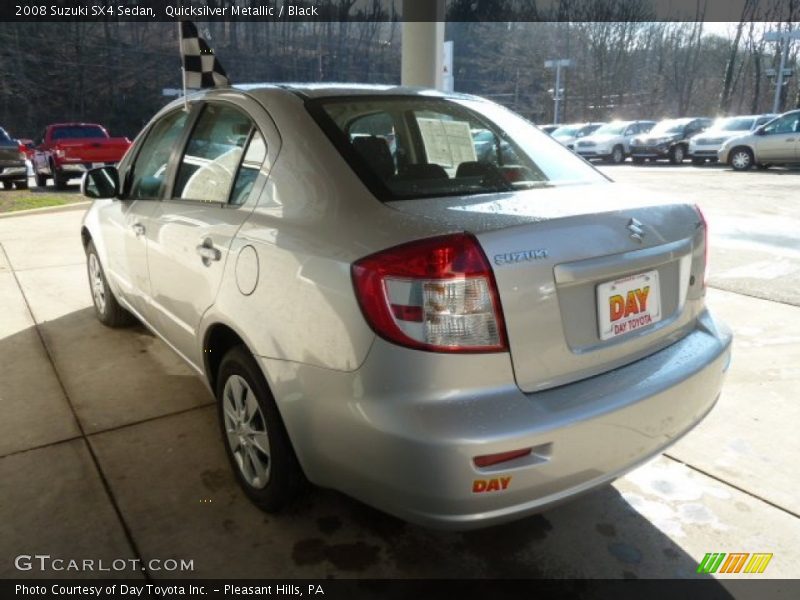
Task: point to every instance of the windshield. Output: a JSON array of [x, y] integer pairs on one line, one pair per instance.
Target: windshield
[[734, 124], [77, 132], [414, 146], [612, 129], [671, 126], [566, 131]]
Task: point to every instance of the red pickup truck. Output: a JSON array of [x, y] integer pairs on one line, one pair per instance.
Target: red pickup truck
[[67, 150]]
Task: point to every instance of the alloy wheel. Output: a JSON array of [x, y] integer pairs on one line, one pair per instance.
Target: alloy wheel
[[246, 431]]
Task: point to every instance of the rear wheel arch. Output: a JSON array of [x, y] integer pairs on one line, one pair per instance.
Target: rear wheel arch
[[217, 341]]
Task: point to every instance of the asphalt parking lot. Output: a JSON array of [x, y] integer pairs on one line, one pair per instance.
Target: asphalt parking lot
[[109, 447]]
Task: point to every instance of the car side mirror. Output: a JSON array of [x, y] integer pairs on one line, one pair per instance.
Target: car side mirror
[[760, 131], [100, 183]]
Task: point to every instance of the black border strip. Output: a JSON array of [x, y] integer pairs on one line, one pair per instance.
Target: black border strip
[[476, 11]]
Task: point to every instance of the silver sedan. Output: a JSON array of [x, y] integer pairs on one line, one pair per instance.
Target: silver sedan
[[457, 327]]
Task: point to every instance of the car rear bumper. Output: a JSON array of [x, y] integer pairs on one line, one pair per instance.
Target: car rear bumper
[[76, 169], [401, 432]]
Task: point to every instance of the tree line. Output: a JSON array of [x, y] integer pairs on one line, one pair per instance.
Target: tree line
[[624, 66]]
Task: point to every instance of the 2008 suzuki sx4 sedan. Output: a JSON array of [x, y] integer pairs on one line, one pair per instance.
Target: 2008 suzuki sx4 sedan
[[412, 297]]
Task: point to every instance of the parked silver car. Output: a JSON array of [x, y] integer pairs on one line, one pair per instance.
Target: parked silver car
[[458, 342], [777, 142], [705, 146], [612, 141], [567, 135]]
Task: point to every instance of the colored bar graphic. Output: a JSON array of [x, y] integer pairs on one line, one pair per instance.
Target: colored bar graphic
[[758, 563], [710, 562], [734, 563]]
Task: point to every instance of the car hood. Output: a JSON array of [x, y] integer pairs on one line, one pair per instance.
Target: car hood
[[716, 135], [744, 138], [605, 138], [655, 139]]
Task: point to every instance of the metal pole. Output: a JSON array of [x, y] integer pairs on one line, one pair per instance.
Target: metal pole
[[183, 69], [776, 105], [557, 94]]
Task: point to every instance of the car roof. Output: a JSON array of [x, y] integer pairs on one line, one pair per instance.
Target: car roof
[[332, 90]]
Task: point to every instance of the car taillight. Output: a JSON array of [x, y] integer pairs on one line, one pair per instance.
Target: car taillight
[[436, 294], [22, 154], [706, 241]]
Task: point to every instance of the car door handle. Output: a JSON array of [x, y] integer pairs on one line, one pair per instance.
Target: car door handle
[[208, 253], [138, 229]]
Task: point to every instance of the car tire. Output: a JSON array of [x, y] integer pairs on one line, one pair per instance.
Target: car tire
[[258, 446], [637, 160], [7, 185], [617, 155], [41, 180], [21, 185], [677, 154], [59, 181], [108, 311], [698, 162], [741, 159]]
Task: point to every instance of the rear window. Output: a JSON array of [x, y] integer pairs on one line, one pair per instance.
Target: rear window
[[4, 136], [77, 132], [416, 147]]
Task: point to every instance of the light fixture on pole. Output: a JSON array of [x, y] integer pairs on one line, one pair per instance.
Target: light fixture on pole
[[558, 91], [785, 38]]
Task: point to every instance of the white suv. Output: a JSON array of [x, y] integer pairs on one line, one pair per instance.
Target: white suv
[[612, 141]]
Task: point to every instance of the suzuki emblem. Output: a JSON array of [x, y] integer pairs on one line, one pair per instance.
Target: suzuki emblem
[[637, 230]]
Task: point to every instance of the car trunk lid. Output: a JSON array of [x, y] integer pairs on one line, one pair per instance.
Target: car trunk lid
[[589, 278]]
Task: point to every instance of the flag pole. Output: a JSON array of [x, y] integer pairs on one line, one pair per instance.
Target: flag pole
[[183, 69]]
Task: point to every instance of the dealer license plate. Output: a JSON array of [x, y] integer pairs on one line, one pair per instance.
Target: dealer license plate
[[628, 304], [97, 165]]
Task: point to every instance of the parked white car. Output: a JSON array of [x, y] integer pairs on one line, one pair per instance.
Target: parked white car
[[704, 147], [567, 135], [612, 141]]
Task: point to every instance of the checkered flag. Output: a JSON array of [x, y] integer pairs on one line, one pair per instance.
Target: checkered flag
[[200, 66]]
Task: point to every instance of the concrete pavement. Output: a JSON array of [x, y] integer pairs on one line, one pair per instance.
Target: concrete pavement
[[110, 449]]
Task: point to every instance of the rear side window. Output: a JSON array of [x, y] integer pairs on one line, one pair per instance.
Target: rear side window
[[213, 155], [77, 133], [415, 146], [150, 168], [254, 157]]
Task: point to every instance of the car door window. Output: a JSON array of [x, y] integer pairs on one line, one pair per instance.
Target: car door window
[[215, 150], [150, 169], [785, 124]]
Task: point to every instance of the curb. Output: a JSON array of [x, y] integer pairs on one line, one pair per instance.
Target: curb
[[46, 209]]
